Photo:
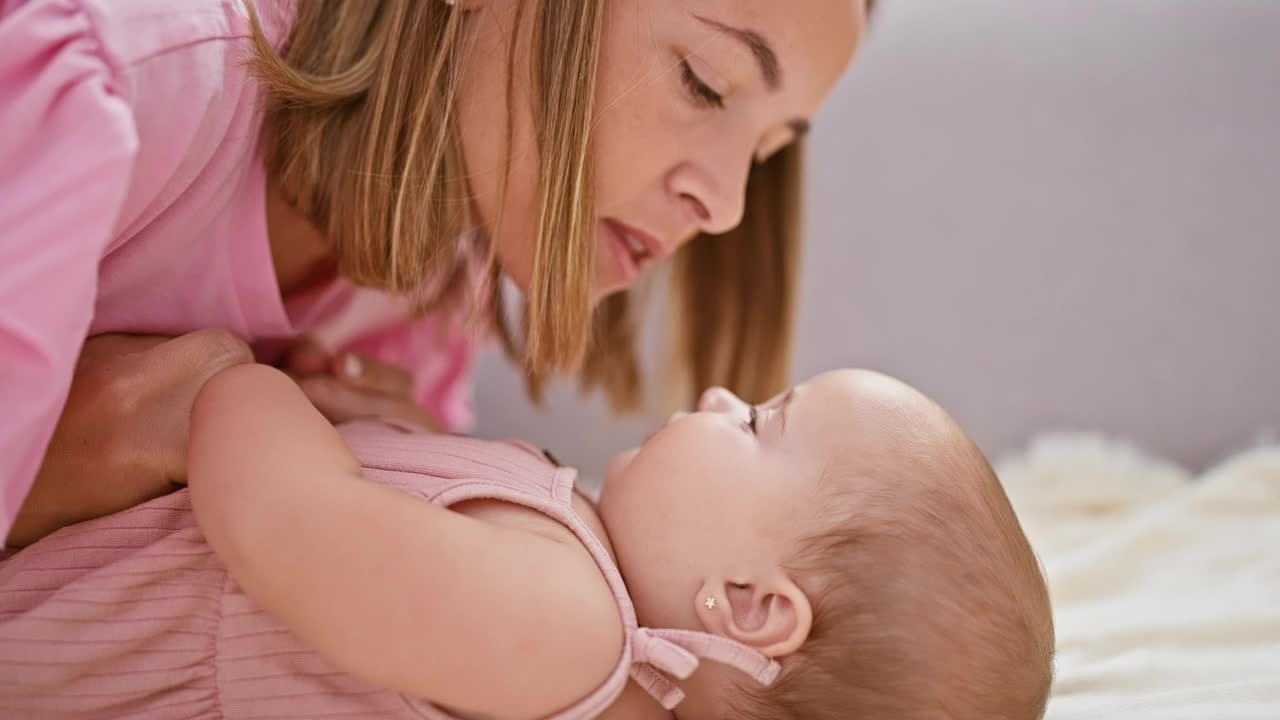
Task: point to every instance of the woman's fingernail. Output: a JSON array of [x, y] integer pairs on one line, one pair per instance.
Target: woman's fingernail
[[352, 366]]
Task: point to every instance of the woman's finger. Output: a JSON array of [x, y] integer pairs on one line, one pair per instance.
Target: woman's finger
[[366, 373], [340, 403], [307, 357]]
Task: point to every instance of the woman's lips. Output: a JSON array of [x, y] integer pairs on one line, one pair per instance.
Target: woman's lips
[[633, 248]]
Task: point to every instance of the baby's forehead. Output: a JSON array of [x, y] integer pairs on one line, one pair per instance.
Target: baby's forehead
[[857, 382], [857, 418], [864, 402]]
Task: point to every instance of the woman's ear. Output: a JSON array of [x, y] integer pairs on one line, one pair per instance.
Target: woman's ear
[[771, 614]]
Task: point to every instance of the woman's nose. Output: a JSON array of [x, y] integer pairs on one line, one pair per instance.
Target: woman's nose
[[711, 191]]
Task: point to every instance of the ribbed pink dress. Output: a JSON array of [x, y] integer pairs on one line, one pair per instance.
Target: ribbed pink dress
[[133, 616]]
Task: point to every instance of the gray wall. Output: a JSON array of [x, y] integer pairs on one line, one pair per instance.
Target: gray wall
[[1055, 214]]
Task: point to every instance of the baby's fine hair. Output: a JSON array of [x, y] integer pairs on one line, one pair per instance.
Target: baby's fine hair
[[928, 600]]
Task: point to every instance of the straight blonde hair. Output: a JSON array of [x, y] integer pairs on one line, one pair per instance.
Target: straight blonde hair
[[361, 135]]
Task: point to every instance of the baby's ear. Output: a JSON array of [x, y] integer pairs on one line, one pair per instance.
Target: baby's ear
[[771, 614]]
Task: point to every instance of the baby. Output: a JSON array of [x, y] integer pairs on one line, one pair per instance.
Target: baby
[[842, 551]]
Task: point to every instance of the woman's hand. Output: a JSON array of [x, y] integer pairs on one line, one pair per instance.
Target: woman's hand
[[122, 437], [347, 386]]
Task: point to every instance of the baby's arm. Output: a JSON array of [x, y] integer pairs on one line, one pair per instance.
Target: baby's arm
[[400, 592]]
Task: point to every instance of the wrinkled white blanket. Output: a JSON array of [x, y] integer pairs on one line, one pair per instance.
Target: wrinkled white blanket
[[1166, 587]]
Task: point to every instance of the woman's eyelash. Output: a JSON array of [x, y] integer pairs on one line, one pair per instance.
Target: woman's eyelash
[[701, 92]]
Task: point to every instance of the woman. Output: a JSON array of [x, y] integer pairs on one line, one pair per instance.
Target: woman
[[311, 178]]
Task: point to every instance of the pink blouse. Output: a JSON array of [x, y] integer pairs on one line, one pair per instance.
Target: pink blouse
[[132, 199]]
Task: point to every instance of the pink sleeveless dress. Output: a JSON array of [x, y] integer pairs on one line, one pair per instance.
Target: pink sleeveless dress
[[133, 615]]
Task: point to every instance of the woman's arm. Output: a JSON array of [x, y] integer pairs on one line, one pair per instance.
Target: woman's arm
[[67, 147], [403, 593]]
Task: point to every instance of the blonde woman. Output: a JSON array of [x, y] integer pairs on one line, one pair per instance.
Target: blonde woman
[[343, 183]]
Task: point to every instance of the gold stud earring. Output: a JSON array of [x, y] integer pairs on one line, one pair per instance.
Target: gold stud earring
[[710, 603]]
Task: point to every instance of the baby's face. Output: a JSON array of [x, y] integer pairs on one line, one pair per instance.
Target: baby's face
[[712, 492]]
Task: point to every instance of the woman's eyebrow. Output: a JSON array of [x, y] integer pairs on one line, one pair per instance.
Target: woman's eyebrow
[[766, 57]]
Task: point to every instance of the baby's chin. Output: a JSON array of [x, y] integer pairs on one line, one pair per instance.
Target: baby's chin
[[618, 465], [613, 473]]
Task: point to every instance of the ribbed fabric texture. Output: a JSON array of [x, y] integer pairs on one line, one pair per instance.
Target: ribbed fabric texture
[[133, 616]]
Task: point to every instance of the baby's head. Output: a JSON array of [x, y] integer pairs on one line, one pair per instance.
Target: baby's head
[[849, 529]]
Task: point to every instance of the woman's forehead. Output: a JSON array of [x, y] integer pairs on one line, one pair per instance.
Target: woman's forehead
[[820, 31], [801, 47]]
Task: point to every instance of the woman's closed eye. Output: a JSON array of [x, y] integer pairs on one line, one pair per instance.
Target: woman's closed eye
[[702, 94]]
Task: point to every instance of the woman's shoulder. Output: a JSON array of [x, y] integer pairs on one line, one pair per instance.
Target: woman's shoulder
[[180, 50], [157, 90], [138, 31], [183, 69]]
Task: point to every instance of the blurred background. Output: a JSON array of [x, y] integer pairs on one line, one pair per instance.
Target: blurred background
[[1060, 214]]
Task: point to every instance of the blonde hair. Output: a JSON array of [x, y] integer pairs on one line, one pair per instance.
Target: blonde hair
[[361, 135], [928, 602]]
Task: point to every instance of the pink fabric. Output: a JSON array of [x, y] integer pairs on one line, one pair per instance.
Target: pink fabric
[[132, 200], [133, 616], [677, 653]]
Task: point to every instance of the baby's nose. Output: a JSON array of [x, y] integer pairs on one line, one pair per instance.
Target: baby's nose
[[718, 399]]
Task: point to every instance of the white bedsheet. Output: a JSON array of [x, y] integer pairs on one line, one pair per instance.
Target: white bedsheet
[[1166, 587]]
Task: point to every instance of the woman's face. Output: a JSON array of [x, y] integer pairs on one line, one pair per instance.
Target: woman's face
[[691, 93]]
